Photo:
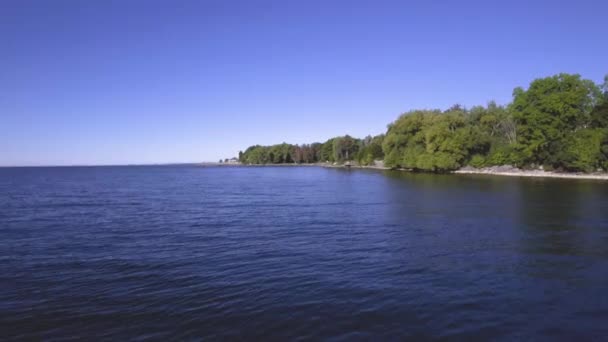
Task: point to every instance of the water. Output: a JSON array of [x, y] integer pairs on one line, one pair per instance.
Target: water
[[186, 252]]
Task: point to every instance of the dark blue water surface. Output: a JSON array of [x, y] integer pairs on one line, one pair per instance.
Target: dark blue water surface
[[267, 253]]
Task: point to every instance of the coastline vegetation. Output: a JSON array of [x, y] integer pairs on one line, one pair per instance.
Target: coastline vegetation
[[558, 123]]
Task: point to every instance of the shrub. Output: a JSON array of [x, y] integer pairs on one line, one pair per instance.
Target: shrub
[[478, 161]]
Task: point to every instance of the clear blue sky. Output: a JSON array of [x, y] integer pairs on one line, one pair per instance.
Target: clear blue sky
[[115, 82]]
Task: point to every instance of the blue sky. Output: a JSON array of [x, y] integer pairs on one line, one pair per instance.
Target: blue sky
[[120, 82]]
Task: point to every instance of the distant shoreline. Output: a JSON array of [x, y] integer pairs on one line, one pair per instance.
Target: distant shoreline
[[489, 171]]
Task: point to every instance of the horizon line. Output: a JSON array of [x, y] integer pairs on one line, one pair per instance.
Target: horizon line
[[106, 165]]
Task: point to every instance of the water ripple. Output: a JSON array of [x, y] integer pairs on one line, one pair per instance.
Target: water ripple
[[183, 252]]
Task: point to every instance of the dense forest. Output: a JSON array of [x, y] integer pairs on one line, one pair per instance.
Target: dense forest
[[558, 123]]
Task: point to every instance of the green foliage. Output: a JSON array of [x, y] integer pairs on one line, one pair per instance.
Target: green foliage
[[403, 137], [336, 149], [327, 151], [599, 115], [502, 155], [431, 140], [550, 110], [275, 154], [255, 155], [392, 158], [583, 150], [305, 153], [478, 161], [370, 150], [560, 122], [345, 148]]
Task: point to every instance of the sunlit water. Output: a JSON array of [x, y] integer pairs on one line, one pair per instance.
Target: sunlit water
[[187, 252]]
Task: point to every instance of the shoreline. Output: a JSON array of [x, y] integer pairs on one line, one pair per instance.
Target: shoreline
[[532, 174], [511, 172], [491, 171]]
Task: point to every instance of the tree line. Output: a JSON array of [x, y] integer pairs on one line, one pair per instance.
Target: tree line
[[337, 149], [557, 123]]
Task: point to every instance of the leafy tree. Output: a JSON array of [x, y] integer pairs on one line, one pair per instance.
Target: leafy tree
[[599, 116], [402, 135], [327, 151], [583, 150], [345, 148], [548, 111], [559, 122], [495, 122], [370, 150], [478, 161], [316, 151], [430, 140]]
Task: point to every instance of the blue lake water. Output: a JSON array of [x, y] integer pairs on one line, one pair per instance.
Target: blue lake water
[[279, 253]]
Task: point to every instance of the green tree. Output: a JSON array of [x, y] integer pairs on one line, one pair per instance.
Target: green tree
[[430, 140], [559, 121], [370, 150], [345, 148], [599, 116], [327, 151], [550, 110], [583, 150], [402, 135]]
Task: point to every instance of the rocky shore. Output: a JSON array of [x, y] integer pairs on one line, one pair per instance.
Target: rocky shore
[[504, 170], [507, 170]]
